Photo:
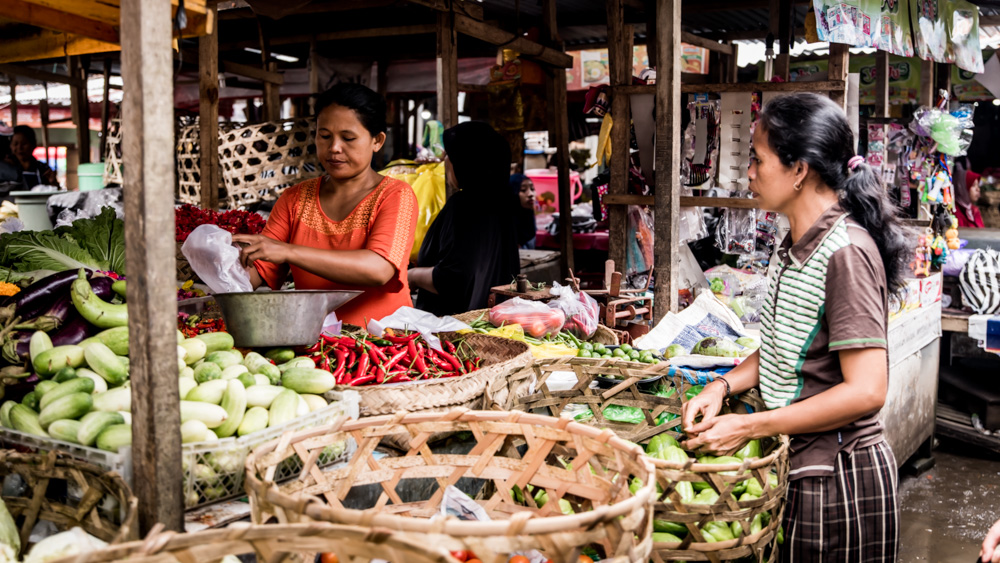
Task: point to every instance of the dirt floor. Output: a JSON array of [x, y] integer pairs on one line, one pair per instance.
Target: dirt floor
[[946, 511]]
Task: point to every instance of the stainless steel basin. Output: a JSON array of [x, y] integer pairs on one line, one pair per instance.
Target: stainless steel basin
[[279, 318]]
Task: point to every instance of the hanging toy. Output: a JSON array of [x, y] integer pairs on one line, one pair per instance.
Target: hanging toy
[[951, 235], [922, 257], [939, 252]]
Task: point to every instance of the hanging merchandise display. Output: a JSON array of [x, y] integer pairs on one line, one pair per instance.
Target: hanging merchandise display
[[947, 31], [737, 229], [701, 141], [883, 24], [965, 87]]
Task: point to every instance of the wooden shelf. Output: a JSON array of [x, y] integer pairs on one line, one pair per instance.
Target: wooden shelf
[[686, 201], [822, 86]]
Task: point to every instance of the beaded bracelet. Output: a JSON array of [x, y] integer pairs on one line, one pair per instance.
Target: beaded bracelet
[[729, 390]]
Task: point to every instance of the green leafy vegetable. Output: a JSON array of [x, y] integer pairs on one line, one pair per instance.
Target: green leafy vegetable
[[43, 250], [103, 237]]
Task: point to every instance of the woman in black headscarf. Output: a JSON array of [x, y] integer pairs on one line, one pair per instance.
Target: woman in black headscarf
[[524, 190], [472, 245]]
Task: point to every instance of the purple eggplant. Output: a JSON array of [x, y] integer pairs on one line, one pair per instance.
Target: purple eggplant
[[102, 286], [74, 331], [39, 296], [15, 349]]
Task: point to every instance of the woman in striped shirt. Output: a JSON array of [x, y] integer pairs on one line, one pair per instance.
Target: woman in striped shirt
[[822, 367]]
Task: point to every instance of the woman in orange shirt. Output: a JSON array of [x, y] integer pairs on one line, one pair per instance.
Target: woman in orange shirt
[[349, 229]]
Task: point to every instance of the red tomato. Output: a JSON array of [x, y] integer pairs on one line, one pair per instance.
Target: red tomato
[[519, 559], [473, 561], [329, 558], [585, 559], [461, 555]]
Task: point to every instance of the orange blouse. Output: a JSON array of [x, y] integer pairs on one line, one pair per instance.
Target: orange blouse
[[384, 222]]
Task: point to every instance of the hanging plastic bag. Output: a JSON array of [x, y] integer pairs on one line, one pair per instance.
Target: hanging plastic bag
[[536, 318], [428, 183], [639, 252], [210, 251], [582, 311], [980, 282], [737, 230]]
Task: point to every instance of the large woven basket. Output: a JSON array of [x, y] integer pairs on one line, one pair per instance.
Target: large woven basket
[[483, 388], [588, 468], [288, 542], [603, 335], [68, 493]]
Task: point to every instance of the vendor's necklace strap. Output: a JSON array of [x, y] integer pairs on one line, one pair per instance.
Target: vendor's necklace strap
[[729, 390]]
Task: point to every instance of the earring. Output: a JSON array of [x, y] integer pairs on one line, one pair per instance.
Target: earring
[[798, 186]]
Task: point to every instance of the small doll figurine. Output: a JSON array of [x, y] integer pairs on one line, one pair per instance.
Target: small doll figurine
[[922, 256], [939, 252]]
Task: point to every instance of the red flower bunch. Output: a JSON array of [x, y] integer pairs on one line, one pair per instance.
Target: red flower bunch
[[188, 217]]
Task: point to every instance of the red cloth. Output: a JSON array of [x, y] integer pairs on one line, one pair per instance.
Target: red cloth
[[964, 222], [971, 178]]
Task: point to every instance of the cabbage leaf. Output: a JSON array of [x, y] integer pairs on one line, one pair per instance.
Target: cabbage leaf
[[43, 250]]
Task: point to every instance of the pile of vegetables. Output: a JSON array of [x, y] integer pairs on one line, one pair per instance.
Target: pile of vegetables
[[665, 447], [359, 359], [189, 217], [717, 346], [624, 352], [96, 244]]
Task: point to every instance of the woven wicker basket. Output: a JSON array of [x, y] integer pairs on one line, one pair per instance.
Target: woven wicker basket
[[603, 335], [484, 388], [594, 481], [289, 542], [69, 493]]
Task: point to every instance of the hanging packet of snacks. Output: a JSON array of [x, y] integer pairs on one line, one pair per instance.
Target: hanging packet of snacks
[[962, 24], [639, 252], [737, 229], [767, 232], [701, 141]]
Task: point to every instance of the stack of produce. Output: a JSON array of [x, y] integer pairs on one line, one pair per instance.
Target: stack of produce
[[361, 359], [189, 217]]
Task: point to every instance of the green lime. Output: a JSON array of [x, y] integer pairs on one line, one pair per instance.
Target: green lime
[[619, 353], [625, 348], [655, 361], [600, 348], [587, 346], [584, 354], [607, 354], [634, 355]]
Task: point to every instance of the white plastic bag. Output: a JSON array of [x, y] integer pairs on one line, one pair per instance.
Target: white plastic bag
[[581, 310], [210, 251], [410, 319]]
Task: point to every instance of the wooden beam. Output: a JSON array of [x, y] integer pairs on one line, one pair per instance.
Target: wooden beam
[[265, 76], [46, 17], [926, 83], [147, 73], [620, 62], [447, 70], [208, 119], [667, 190], [47, 44], [13, 101], [555, 82], [313, 64], [40, 75], [881, 84], [105, 108], [822, 86], [485, 32], [686, 201], [466, 8], [272, 97], [989, 21], [837, 71], [341, 35], [750, 35], [43, 113], [942, 79], [698, 41], [80, 109]]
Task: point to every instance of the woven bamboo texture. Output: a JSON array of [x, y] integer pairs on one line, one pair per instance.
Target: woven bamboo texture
[[69, 493], [625, 380], [275, 543], [603, 335], [587, 467], [483, 388], [113, 154]]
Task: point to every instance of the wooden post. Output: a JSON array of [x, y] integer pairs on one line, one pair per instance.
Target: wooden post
[[43, 112], [927, 83], [733, 62], [147, 73], [208, 116], [555, 78], [105, 108], [780, 26], [620, 61], [80, 110], [668, 155], [272, 96], [447, 70], [839, 58], [881, 84], [942, 80], [383, 90], [12, 80]]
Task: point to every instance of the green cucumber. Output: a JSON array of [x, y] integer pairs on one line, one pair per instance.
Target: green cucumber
[[247, 379], [208, 392], [78, 385], [195, 349], [235, 403], [232, 372], [283, 408], [300, 362], [100, 385], [44, 387], [65, 429], [216, 341], [73, 406], [308, 380], [40, 342], [280, 355], [187, 371], [254, 420], [30, 400], [212, 415], [315, 402], [114, 338], [23, 419], [106, 363], [65, 374], [5, 413], [262, 395], [94, 423], [223, 358], [95, 310], [207, 372], [119, 287], [51, 361], [194, 431], [114, 400], [115, 437], [264, 380], [185, 385]]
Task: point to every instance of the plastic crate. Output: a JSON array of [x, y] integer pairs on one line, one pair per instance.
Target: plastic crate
[[228, 471], [214, 471]]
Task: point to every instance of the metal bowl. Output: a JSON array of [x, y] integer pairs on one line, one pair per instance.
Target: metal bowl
[[279, 318]]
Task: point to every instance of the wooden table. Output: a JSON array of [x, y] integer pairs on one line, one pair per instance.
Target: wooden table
[[954, 320]]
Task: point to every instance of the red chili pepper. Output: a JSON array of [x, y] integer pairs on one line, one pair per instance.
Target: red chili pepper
[[374, 356], [314, 348], [364, 379], [340, 374], [363, 366], [452, 360], [397, 376], [449, 346], [330, 339], [411, 348], [469, 366], [394, 360], [401, 339], [419, 361], [325, 364], [379, 353]]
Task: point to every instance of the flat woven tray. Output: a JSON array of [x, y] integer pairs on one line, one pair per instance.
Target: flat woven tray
[[603, 334]]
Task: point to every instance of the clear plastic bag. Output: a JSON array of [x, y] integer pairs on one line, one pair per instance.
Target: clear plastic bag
[[581, 310], [639, 252], [536, 318], [210, 251], [415, 320], [737, 230]]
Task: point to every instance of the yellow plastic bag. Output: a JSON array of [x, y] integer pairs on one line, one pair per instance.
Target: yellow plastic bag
[[510, 332], [428, 184], [551, 350]]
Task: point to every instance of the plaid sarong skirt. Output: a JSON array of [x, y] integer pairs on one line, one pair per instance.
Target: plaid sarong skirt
[[851, 516]]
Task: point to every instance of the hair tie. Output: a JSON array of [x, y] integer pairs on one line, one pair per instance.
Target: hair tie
[[855, 161]]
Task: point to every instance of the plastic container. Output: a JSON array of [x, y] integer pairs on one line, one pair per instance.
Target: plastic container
[[547, 188], [91, 176], [32, 209]]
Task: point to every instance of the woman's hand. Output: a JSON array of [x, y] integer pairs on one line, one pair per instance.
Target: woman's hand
[[260, 247], [989, 552], [706, 404], [721, 434]]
